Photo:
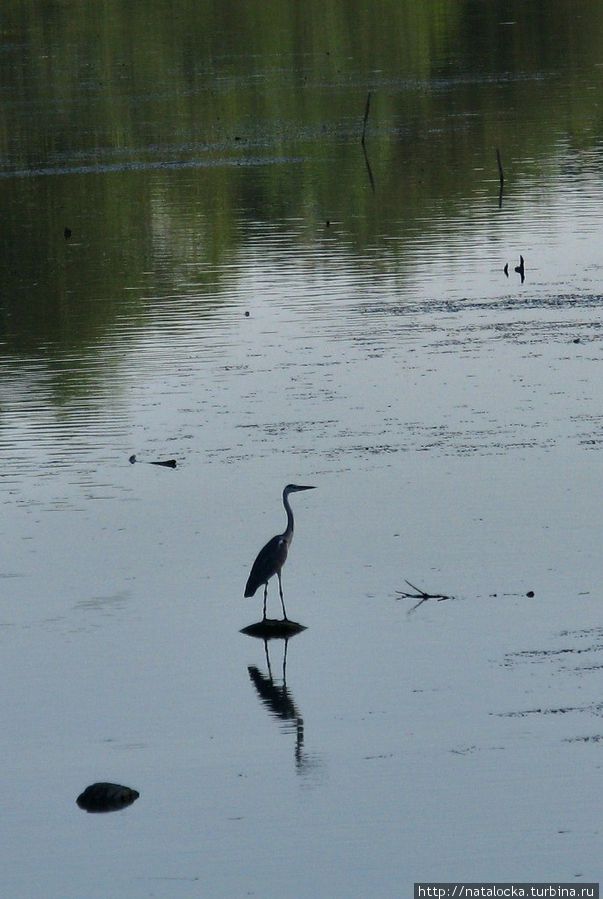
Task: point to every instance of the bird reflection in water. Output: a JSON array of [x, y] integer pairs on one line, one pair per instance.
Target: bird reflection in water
[[279, 702]]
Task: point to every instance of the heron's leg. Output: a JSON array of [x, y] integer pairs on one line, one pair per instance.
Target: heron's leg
[[265, 595], [280, 590]]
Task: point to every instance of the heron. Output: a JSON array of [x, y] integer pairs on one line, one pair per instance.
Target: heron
[[273, 556]]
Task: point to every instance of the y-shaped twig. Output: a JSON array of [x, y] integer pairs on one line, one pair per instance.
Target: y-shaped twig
[[420, 594]]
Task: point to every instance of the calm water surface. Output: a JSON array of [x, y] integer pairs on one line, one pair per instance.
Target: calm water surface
[[236, 294]]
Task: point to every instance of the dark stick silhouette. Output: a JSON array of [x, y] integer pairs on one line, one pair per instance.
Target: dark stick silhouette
[[421, 595], [366, 115], [167, 463], [501, 178]]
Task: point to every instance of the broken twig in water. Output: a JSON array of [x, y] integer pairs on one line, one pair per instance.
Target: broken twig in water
[[420, 594], [366, 115], [167, 463]]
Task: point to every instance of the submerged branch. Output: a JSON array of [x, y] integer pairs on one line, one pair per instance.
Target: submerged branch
[[366, 115], [420, 594], [501, 178], [501, 174]]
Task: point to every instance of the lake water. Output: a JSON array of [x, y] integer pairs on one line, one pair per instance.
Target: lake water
[[245, 289]]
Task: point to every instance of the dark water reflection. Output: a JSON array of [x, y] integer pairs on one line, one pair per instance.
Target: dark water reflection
[[199, 266], [431, 139]]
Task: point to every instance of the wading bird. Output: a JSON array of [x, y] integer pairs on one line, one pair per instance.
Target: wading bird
[[272, 557]]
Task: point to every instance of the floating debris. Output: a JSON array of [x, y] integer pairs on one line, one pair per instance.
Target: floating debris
[[167, 463], [420, 594], [106, 797]]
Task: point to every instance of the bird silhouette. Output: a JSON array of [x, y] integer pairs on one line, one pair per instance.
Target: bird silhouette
[[273, 555]]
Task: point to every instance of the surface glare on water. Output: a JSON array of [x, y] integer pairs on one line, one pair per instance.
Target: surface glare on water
[[242, 289]]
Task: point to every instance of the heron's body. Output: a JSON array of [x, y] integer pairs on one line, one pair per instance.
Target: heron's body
[[273, 555], [269, 562]]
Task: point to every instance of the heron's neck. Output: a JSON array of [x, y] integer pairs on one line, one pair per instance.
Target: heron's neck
[[289, 532]]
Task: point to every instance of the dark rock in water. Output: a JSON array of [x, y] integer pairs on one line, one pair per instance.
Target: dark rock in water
[[106, 797], [132, 460], [273, 628]]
